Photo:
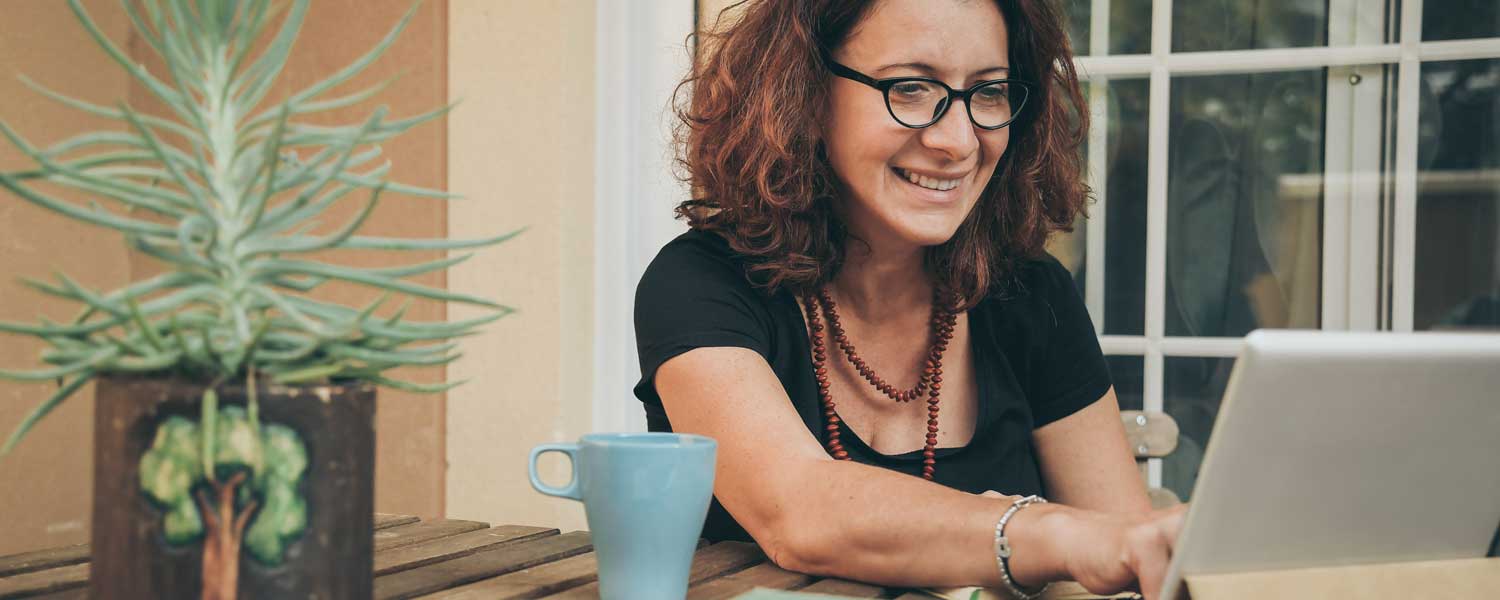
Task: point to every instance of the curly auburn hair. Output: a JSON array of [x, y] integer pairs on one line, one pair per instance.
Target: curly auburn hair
[[750, 148]]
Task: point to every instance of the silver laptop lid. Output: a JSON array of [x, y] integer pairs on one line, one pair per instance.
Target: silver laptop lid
[[1343, 448]]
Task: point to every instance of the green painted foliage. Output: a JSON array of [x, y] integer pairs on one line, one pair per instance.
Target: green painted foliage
[[227, 190], [171, 473]]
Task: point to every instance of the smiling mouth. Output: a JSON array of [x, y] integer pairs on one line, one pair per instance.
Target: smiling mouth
[[941, 185]]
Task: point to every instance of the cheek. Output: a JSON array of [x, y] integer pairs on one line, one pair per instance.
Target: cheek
[[860, 137], [995, 144]]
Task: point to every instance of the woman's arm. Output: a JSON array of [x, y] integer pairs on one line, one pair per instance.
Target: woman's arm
[[816, 515], [1086, 461]]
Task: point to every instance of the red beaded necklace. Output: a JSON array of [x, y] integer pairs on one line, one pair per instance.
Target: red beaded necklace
[[931, 381]]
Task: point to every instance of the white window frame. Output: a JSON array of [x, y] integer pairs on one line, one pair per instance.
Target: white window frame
[[640, 56], [1353, 287]]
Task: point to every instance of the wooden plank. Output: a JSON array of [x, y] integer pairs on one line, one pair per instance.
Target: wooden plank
[[16, 564], [708, 563], [78, 593], [1151, 434], [766, 575], [843, 587], [40, 582], [388, 520], [534, 582], [455, 546], [507, 558], [416, 533]]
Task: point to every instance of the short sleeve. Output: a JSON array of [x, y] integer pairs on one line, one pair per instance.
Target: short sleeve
[[695, 295], [1072, 373]]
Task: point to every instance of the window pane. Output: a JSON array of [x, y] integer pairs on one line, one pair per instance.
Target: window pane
[[1458, 196], [1200, 25], [1244, 203], [1128, 374], [1125, 223], [1192, 390], [1460, 19], [1129, 26], [1124, 195]]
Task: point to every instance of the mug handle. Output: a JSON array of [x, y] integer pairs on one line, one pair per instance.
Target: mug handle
[[568, 491]]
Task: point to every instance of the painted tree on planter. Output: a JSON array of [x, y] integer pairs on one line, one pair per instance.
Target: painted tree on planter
[[215, 477]]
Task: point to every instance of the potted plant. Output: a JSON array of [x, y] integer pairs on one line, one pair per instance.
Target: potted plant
[[234, 428]]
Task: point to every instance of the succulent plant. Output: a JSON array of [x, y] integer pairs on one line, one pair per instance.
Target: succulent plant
[[225, 189]]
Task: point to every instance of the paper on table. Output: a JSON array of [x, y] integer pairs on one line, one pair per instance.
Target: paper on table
[[768, 594], [1062, 590]]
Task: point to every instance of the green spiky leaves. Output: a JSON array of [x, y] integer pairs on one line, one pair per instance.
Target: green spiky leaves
[[226, 188]]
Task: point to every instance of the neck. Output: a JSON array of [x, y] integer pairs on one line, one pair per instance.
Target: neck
[[878, 282]]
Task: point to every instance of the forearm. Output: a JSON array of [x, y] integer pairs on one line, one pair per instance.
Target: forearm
[[871, 524]]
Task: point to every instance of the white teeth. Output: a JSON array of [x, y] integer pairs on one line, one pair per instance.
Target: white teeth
[[941, 185]]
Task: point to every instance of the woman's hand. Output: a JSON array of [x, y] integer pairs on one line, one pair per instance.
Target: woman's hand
[[1108, 554]]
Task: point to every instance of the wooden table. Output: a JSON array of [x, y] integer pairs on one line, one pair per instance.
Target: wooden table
[[449, 558]]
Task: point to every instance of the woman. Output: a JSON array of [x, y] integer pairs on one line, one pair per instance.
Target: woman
[[863, 314]]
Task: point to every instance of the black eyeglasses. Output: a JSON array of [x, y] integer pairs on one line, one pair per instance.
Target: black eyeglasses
[[918, 102]]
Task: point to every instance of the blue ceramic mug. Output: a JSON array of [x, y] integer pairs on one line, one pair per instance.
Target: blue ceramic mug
[[646, 496]]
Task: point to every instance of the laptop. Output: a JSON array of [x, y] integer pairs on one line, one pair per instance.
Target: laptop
[[1340, 448]]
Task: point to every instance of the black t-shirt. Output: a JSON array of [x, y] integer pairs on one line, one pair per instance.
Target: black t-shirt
[[1036, 357]]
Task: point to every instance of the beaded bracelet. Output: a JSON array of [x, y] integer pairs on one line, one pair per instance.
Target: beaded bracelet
[[1003, 550]]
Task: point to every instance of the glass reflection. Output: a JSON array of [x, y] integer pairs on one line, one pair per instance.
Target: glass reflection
[[1129, 26], [1458, 196], [1128, 373], [1192, 389], [1244, 203], [1460, 19], [1124, 210], [1206, 25]]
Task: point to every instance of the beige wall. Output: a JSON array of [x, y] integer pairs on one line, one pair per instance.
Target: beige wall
[[521, 149], [45, 486]]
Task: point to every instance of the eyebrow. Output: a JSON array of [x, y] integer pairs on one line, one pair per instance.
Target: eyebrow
[[930, 70]]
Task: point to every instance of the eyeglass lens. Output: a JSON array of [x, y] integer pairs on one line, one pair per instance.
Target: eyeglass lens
[[917, 103]]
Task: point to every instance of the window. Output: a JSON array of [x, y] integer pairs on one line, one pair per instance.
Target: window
[[1312, 164]]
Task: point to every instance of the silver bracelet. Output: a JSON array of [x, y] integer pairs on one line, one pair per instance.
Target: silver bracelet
[[1003, 549]]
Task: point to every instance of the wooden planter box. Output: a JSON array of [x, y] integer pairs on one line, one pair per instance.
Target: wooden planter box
[[331, 558]]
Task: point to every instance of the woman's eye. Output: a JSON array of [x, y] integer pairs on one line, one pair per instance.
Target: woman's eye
[[911, 89], [993, 94]]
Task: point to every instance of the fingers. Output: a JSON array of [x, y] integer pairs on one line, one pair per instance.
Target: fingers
[[1154, 550], [992, 494], [1152, 557], [1171, 523]]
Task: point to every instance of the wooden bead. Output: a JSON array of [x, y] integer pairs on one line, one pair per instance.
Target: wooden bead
[[929, 380]]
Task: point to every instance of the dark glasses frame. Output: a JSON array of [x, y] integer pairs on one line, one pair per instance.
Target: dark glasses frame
[[885, 85]]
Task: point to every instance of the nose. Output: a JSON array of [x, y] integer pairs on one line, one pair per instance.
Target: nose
[[953, 134]]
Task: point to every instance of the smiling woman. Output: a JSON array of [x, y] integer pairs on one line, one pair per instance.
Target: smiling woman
[[745, 149], [888, 173]]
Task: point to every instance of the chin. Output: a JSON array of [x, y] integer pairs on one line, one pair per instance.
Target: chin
[[930, 233]]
